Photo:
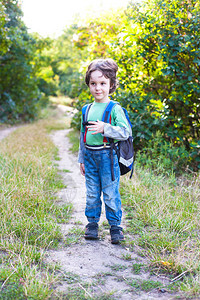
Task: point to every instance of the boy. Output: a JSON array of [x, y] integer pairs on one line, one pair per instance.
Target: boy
[[94, 154]]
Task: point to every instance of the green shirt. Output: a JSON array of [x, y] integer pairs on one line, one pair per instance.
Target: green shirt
[[118, 118]]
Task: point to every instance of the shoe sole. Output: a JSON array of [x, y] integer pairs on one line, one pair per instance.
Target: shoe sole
[[117, 241], [90, 237]]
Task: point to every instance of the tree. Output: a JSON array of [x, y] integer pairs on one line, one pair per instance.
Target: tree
[[67, 61], [4, 42], [157, 47], [20, 95]]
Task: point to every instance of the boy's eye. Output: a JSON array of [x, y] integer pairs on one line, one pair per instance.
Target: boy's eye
[[93, 83]]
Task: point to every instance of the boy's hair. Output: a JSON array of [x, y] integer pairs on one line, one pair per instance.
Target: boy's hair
[[109, 69]]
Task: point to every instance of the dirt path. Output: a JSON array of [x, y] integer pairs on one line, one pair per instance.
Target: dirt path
[[95, 268], [6, 131]]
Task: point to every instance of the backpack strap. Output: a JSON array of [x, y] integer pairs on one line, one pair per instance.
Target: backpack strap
[[107, 112], [107, 119], [85, 111], [107, 116]]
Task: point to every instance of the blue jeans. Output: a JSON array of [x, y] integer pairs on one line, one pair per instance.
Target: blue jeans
[[98, 181]]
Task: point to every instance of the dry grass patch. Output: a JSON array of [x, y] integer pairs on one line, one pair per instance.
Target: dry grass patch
[[28, 213]]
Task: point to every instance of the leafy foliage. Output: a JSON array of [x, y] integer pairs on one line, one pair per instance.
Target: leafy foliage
[[20, 93], [157, 49], [3, 36], [64, 60], [166, 50], [162, 157]]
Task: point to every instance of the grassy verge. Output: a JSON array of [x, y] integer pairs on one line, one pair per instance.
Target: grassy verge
[[29, 216], [162, 216], [73, 136]]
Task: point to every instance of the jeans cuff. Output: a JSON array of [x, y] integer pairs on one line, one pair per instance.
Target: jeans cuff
[[114, 223]]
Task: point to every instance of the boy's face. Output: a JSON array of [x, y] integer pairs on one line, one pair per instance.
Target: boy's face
[[99, 86]]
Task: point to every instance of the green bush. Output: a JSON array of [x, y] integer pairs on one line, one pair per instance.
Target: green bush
[[157, 50], [162, 156]]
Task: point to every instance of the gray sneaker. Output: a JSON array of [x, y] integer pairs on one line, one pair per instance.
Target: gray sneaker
[[116, 234], [91, 231]]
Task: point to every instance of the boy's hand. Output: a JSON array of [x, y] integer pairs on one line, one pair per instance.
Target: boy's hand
[[82, 169], [97, 127]]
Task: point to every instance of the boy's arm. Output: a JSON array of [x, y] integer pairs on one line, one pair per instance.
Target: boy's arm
[[116, 132], [81, 152], [120, 130], [81, 149]]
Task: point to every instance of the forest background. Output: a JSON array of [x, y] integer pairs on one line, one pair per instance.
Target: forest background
[[156, 45]]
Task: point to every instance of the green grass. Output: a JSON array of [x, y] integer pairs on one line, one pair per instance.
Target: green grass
[[118, 267], [73, 136], [137, 268], [127, 256], [144, 285], [162, 213], [84, 292], [79, 289], [29, 215], [70, 277], [73, 236], [12, 291]]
